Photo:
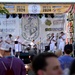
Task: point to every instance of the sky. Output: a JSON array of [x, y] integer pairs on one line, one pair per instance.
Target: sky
[[38, 1]]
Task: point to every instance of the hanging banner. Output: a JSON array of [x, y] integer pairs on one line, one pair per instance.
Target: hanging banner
[[10, 26], [54, 8], [38, 8]]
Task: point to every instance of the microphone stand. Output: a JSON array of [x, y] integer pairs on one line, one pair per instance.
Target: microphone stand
[[40, 46]]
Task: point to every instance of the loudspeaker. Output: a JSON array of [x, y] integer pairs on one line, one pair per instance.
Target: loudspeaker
[[52, 15], [7, 16], [20, 16], [46, 15], [13, 15], [47, 48]]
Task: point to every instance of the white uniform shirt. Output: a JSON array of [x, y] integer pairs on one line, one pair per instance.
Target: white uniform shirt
[[32, 44], [11, 43], [63, 37], [18, 46], [53, 39]]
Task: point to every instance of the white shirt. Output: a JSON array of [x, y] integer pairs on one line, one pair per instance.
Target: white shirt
[[11, 41], [53, 39], [63, 37], [18, 46], [32, 44]]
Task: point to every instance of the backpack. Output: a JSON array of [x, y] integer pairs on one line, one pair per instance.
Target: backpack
[[9, 70]]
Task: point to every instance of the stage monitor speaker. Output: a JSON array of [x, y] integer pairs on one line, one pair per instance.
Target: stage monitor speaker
[[47, 48]]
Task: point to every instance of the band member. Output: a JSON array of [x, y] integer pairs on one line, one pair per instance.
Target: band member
[[18, 45], [62, 41], [32, 44], [52, 42], [10, 43], [33, 48]]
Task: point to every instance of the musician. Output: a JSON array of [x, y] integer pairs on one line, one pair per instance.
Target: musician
[[10, 43], [62, 41], [32, 44], [33, 48], [18, 45], [52, 42]]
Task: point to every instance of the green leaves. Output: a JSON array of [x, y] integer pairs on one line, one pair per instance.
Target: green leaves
[[3, 10]]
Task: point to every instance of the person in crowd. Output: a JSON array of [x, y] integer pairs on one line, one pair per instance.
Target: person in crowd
[[66, 59], [58, 53], [10, 65], [62, 41], [1, 50], [1, 40], [52, 42], [72, 68], [10, 43], [31, 72], [46, 64]]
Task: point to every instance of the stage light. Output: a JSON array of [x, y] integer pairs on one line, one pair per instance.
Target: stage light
[[20, 16], [7, 16], [13, 15], [40, 15], [31, 14], [52, 15], [46, 15]]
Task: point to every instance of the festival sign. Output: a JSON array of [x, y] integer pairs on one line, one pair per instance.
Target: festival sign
[[55, 8], [38, 8]]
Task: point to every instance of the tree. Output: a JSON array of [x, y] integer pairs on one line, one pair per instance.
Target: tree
[[3, 10]]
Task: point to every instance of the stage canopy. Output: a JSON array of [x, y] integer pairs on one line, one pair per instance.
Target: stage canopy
[[38, 1], [39, 8]]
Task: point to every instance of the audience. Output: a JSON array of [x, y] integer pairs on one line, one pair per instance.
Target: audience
[[59, 53], [46, 64], [72, 68], [10, 62], [66, 59]]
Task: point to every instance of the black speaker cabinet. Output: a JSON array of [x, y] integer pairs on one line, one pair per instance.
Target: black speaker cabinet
[[47, 48]]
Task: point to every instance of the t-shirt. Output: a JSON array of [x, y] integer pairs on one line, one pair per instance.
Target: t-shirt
[[65, 61], [17, 65]]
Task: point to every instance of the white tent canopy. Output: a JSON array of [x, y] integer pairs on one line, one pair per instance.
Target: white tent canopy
[[39, 1]]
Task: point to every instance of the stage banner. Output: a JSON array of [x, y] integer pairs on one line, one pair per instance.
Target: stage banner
[[32, 27], [38, 8], [10, 26], [35, 28]]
